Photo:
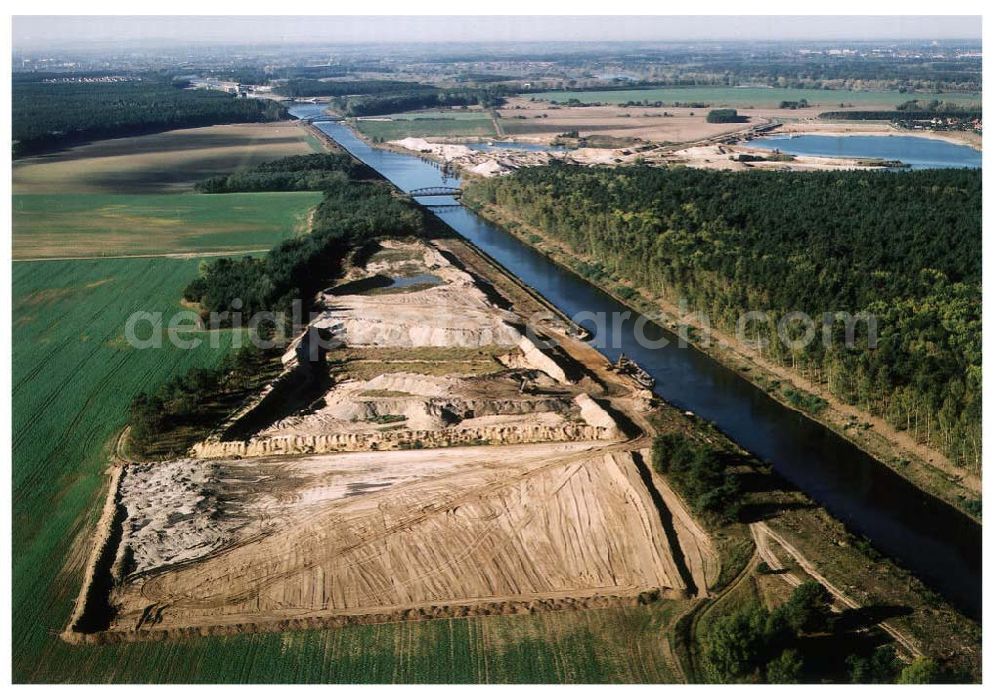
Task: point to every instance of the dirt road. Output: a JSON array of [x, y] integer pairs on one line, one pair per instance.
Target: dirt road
[[762, 533]]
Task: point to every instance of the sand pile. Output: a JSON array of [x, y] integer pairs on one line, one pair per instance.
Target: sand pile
[[412, 530], [426, 403], [445, 151], [169, 509]]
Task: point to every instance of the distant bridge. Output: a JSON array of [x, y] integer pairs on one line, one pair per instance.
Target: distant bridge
[[436, 191]]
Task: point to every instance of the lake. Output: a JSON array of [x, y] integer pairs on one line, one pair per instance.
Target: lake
[[919, 153]]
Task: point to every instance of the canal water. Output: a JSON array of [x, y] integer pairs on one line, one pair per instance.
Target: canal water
[[939, 544], [919, 153]]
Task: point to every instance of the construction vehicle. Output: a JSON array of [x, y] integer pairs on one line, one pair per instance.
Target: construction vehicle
[[626, 366]]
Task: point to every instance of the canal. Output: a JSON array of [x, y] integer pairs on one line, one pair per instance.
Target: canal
[[940, 545]]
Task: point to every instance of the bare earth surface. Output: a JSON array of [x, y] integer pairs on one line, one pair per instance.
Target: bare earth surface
[[357, 533], [543, 121], [658, 135], [350, 510]]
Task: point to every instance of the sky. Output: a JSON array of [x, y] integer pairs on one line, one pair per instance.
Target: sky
[[64, 31]]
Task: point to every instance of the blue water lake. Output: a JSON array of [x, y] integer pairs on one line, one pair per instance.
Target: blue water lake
[[919, 153]]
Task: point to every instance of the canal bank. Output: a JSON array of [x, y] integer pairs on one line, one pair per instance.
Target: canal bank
[[922, 466], [938, 543]]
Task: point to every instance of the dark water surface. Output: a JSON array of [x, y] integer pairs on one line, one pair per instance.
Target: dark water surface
[[939, 544]]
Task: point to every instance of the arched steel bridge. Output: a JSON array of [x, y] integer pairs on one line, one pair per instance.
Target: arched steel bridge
[[436, 191]]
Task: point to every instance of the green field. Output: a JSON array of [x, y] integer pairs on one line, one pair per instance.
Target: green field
[[73, 378], [314, 143], [171, 162], [760, 97], [426, 124], [62, 225]]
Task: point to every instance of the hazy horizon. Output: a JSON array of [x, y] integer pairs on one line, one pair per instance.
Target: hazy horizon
[[35, 32]]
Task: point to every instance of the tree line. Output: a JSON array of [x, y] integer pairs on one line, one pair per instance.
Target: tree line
[[912, 110], [350, 213], [902, 246], [699, 472], [169, 419], [310, 87], [51, 115], [755, 645], [376, 97], [900, 115], [374, 105], [316, 172], [725, 116]]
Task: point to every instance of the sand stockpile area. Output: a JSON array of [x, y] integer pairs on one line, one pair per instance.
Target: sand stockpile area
[[335, 538], [481, 163], [446, 151], [425, 358], [426, 403], [724, 157], [367, 505], [542, 121], [453, 311]]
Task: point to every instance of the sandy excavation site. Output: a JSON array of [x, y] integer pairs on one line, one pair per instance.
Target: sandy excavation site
[[443, 459], [620, 135]]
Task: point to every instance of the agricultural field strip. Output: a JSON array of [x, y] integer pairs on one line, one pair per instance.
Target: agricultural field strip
[[73, 379], [169, 162], [52, 360], [163, 255], [748, 96], [135, 225]]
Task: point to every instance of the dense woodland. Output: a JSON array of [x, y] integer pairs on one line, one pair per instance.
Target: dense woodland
[[804, 641], [904, 246], [374, 105], [50, 115], [699, 473], [899, 115], [832, 72], [725, 116], [308, 87], [909, 67], [317, 172], [374, 97]]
